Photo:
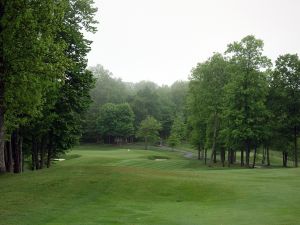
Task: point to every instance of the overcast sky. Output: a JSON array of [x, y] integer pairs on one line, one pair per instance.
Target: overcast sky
[[161, 40]]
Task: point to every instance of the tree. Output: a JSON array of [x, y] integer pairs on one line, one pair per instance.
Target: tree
[[145, 102], [173, 140], [149, 130], [107, 90], [31, 58], [285, 84], [179, 90], [209, 79], [177, 132], [116, 120], [196, 125], [167, 109], [245, 109], [53, 76]]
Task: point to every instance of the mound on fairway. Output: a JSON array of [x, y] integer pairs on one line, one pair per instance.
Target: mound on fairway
[[158, 157], [114, 186]]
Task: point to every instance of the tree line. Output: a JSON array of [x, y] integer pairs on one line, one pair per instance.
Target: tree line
[[44, 83], [121, 110], [235, 105], [238, 102]]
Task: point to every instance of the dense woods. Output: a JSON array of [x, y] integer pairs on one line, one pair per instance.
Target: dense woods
[[44, 84], [235, 106], [238, 103]]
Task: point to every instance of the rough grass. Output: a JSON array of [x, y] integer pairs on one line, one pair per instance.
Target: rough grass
[[109, 185]]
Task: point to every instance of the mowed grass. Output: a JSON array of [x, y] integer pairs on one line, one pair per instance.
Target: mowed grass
[[109, 185]]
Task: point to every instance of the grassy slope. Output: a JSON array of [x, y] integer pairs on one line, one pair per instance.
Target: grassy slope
[[117, 186]]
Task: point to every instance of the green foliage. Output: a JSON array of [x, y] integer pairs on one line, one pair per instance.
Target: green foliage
[[206, 98], [245, 100], [146, 103], [116, 120], [173, 140], [285, 96], [48, 88], [178, 132], [149, 130]]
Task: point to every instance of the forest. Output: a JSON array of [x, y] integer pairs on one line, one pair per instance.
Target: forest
[[235, 104], [79, 145]]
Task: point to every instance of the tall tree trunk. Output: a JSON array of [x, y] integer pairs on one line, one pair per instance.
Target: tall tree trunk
[[233, 156], [247, 153], [254, 157], [284, 158], [50, 149], [199, 153], [268, 155], [295, 147], [215, 156], [2, 90], [205, 155], [33, 146], [213, 149], [229, 157], [20, 147], [263, 155], [9, 162], [16, 150], [223, 157], [36, 154], [43, 152], [242, 157]]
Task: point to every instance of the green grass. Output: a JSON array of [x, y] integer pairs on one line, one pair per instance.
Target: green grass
[[111, 185]]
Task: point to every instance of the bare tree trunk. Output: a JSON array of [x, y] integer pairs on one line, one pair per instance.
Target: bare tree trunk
[[242, 157], [50, 149], [233, 156], [2, 105], [43, 151], [20, 146], [295, 147], [9, 162], [254, 157], [268, 155], [16, 142], [205, 155], [215, 157], [36, 155], [223, 157], [213, 149], [229, 157], [33, 159], [284, 158], [2, 130], [247, 153], [263, 155]]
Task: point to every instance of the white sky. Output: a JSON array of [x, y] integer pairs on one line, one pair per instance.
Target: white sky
[[161, 40]]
